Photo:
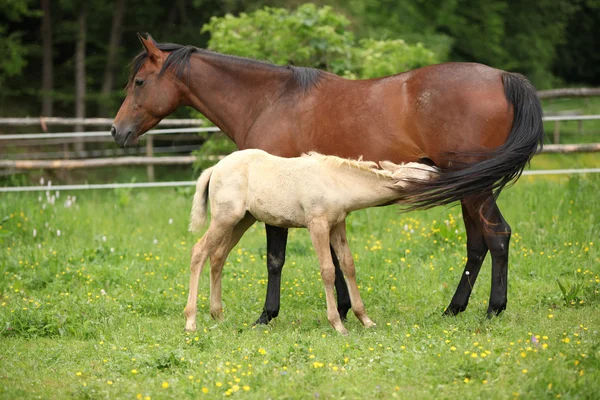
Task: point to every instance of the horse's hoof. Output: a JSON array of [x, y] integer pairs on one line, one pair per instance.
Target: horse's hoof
[[454, 310], [264, 319]]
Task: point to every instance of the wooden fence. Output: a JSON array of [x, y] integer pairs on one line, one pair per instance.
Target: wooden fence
[[149, 160]]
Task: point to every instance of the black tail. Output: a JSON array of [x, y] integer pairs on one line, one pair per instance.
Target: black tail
[[499, 167]]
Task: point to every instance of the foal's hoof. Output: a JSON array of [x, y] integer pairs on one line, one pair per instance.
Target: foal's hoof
[[217, 315], [190, 327], [369, 324], [343, 332]]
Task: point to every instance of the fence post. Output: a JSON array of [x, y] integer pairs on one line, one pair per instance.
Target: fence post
[[556, 132], [150, 153]]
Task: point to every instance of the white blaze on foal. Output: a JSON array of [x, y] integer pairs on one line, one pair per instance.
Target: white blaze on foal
[[312, 191]]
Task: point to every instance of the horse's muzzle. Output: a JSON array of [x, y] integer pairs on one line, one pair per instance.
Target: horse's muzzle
[[124, 138]]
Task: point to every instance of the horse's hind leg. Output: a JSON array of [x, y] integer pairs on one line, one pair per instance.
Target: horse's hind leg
[[476, 251], [319, 233], [495, 232], [339, 243]]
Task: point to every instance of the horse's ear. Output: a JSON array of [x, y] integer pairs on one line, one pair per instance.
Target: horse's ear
[[150, 46]]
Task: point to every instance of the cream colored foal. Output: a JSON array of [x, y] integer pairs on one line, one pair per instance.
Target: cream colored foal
[[312, 191]]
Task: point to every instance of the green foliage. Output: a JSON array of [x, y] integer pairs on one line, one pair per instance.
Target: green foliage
[[376, 58], [215, 144], [308, 36], [12, 47], [569, 295]]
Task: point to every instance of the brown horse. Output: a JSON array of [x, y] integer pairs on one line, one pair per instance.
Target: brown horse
[[479, 125]]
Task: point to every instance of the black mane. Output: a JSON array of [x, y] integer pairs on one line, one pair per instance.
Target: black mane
[[179, 59]]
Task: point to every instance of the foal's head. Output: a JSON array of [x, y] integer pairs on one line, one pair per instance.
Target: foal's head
[[154, 91]]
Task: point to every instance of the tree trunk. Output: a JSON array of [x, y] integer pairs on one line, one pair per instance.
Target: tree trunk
[[116, 32], [47, 62], [80, 71]]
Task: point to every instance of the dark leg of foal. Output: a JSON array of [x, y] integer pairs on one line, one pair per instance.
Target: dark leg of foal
[[343, 297], [485, 215], [276, 242], [476, 251]]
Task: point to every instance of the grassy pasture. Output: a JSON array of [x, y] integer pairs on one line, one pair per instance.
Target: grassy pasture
[[96, 311]]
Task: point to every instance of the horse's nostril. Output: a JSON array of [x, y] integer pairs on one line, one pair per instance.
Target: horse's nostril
[[113, 131]]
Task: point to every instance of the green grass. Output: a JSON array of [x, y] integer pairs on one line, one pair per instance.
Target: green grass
[[97, 312]]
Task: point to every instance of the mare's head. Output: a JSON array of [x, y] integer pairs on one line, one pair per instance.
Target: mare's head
[[154, 90]]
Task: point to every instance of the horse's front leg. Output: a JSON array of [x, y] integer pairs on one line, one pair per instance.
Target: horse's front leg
[[344, 304], [276, 242]]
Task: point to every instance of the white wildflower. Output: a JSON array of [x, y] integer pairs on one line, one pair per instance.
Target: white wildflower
[[58, 232], [34, 232], [170, 221]]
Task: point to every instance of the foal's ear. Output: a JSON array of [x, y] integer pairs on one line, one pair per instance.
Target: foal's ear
[[150, 46]]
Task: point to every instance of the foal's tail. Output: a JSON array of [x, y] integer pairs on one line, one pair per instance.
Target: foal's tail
[[200, 204], [495, 169]]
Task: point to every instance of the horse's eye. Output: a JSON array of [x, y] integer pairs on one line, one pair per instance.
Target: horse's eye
[[139, 82]]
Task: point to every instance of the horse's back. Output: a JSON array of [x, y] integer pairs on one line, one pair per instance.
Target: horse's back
[[420, 114]]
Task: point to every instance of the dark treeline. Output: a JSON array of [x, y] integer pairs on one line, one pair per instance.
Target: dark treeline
[[69, 57]]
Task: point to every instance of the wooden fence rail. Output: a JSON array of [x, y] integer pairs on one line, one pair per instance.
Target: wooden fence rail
[[568, 92], [57, 121], [187, 160]]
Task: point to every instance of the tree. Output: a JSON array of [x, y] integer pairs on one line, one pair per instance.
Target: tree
[[111, 58], [80, 70], [47, 60], [12, 48], [313, 37]]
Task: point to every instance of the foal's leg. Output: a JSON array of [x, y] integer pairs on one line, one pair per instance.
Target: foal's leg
[[200, 253], [476, 251], [319, 233], [276, 242], [339, 242]]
